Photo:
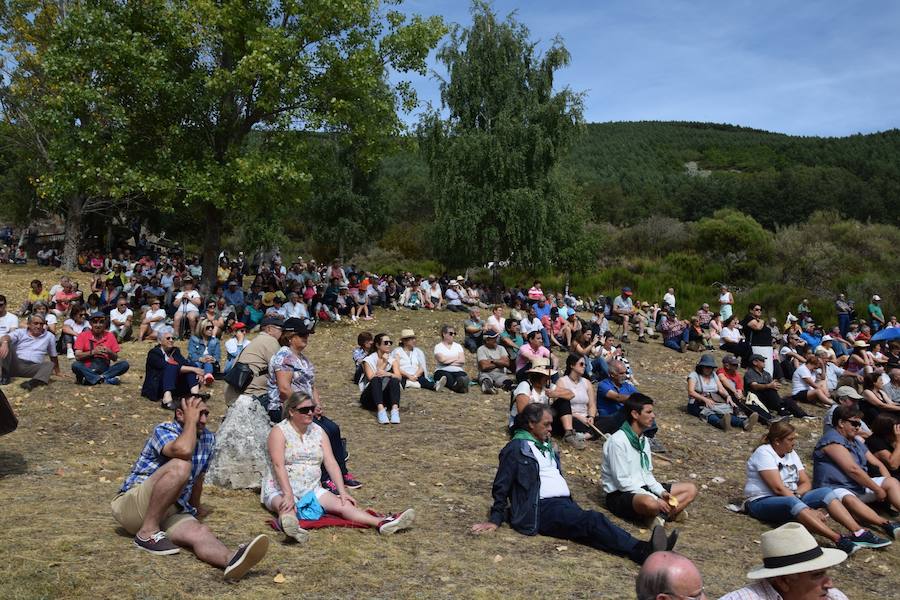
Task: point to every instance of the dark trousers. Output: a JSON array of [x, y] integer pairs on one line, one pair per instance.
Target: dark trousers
[[381, 390], [563, 518], [423, 381], [472, 342], [844, 323], [741, 349], [92, 375], [612, 423], [778, 405], [458, 381], [178, 383], [333, 431]]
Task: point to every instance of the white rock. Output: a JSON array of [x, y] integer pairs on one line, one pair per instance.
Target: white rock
[[241, 459]]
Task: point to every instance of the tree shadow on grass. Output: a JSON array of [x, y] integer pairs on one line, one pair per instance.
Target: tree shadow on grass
[[12, 463]]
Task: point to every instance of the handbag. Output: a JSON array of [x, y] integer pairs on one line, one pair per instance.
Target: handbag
[[240, 375], [8, 420]]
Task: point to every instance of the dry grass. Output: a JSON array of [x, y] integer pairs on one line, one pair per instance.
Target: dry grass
[[59, 471]]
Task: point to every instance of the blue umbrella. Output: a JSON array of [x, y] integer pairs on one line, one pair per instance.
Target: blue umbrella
[[886, 335]]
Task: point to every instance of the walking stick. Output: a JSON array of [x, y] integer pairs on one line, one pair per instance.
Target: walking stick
[[606, 437]]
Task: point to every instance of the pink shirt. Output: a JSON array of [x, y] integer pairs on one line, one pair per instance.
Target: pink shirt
[[526, 355]]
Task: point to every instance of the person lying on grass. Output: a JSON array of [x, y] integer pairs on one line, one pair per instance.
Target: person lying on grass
[[530, 492], [159, 503], [632, 491], [292, 488]]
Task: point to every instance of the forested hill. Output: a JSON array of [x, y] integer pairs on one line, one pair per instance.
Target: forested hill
[[631, 170]]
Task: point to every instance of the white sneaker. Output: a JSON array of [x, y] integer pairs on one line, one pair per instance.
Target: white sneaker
[[382, 417], [412, 384], [440, 383], [70, 354], [395, 415], [396, 523]]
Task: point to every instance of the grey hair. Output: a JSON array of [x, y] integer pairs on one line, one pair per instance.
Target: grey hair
[[164, 330], [32, 316], [648, 584]]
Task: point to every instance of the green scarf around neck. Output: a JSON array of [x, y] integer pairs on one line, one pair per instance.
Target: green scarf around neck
[[638, 443], [546, 448]]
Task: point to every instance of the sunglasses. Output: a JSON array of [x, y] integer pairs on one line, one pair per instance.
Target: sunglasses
[[855, 424], [97, 320], [209, 327], [451, 333], [304, 410], [167, 339], [387, 343]]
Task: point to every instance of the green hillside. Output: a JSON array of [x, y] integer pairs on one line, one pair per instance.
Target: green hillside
[[630, 171]]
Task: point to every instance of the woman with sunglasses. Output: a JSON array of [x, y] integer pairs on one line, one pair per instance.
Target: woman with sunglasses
[[451, 360], [168, 375], [204, 349], [289, 370], [298, 449], [381, 383], [840, 461], [778, 490], [584, 398], [72, 328]]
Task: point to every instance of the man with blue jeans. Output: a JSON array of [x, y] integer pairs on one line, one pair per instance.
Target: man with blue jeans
[[611, 396], [676, 332], [530, 492], [96, 353]]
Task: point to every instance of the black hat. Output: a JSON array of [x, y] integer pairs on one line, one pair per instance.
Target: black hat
[[272, 320], [295, 325]]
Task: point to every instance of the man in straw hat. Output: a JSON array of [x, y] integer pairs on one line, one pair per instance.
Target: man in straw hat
[[412, 363], [530, 492], [794, 567]]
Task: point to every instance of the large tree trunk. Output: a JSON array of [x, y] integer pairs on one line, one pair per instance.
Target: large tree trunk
[[212, 244], [72, 244]]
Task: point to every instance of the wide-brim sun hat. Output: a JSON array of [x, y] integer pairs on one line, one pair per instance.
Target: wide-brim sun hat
[[707, 360], [860, 344], [542, 366], [846, 391], [791, 549], [405, 334]]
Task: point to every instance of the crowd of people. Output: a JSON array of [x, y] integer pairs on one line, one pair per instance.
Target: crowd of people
[[566, 376]]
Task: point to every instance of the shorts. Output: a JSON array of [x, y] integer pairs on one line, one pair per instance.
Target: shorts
[[800, 396], [866, 497], [621, 504], [130, 507], [268, 502]]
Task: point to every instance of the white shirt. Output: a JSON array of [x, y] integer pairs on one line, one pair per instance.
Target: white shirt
[[730, 335], [798, 381], [552, 483], [535, 396], [452, 296], [409, 361], [8, 322], [832, 372], [669, 299], [117, 319], [621, 469], [297, 310], [190, 296], [531, 325], [764, 458], [150, 314], [763, 590], [71, 324], [496, 324], [442, 351], [233, 348]]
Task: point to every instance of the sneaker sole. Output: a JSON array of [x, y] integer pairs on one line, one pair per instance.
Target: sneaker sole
[[871, 544], [404, 521], [157, 552], [291, 528], [253, 554], [352, 487]]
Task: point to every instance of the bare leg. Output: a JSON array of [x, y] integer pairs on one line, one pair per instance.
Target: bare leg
[[892, 487], [332, 504], [168, 482], [840, 514], [566, 421], [686, 492], [862, 511], [646, 505], [198, 538], [814, 524], [143, 331]]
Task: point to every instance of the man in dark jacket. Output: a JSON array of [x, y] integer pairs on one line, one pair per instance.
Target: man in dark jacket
[[530, 492]]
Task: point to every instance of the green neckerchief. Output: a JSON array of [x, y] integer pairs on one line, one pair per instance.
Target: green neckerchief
[[544, 447], [638, 443]]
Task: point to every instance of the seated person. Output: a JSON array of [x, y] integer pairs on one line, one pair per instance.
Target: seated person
[[298, 449], [204, 350], [875, 401], [840, 461], [511, 339], [759, 381], [50, 321], [454, 297], [450, 359], [71, 329], [708, 400], [849, 397], [558, 330], [496, 322], [538, 388], [676, 332], [806, 387], [159, 503], [778, 490], [794, 568], [830, 371], [733, 342], [363, 348], [381, 381], [24, 353], [413, 367], [623, 312], [62, 299], [493, 365], [96, 355], [120, 320], [169, 376], [187, 307], [669, 575], [733, 383], [584, 399], [474, 328], [530, 492], [532, 350], [36, 293], [235, 345], [884, 442], [632, 491], [154, 319]]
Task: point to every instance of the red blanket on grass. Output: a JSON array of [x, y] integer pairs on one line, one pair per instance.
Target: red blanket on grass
[[326, 521]]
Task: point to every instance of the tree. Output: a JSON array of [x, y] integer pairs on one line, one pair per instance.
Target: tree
[[735, 240], [491, 159], [178, 104]]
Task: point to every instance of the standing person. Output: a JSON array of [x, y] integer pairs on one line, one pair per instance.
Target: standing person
[[530, 492], [794, 568], [289, 369], [876, 315], [382, 381], [450, 361], [23, 353], [759, 335], [632, 491], [726, 303], [298, 450], [412, 364], [669, 298], [96, 355], [159, 503], [843, 313], [256, 359], [493, 365], [153, 320]]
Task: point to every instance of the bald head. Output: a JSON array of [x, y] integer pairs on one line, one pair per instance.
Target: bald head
[[668, 575]]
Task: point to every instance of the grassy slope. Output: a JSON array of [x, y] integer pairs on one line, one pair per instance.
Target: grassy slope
[[59, 471]]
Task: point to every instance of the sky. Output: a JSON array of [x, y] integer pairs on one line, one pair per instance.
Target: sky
[[803, 67]]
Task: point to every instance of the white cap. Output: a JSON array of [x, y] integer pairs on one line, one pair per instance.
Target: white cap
[[876, 298]]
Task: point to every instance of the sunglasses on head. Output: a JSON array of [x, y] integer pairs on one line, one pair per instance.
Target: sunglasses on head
[[304, 410]]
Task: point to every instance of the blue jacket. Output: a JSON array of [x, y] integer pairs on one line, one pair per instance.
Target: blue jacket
[[196, 347], [517, 488]]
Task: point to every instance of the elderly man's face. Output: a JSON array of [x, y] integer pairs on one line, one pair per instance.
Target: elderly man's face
[[803, 586], [541, 430]]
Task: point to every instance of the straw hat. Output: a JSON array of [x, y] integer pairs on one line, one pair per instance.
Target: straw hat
[[792, 549], [541, 366], [860, 344], [405, 334]]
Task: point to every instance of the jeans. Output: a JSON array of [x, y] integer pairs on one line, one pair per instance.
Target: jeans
[[563, 518], [178, 383], [844, 323], [93, 375], [381, 390], [458, 381], [675, 342], [781, 509], [472, 342], [599, 369], [715, 419]]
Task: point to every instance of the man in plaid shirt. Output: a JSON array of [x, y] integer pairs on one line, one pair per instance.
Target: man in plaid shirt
[[160, 500]]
